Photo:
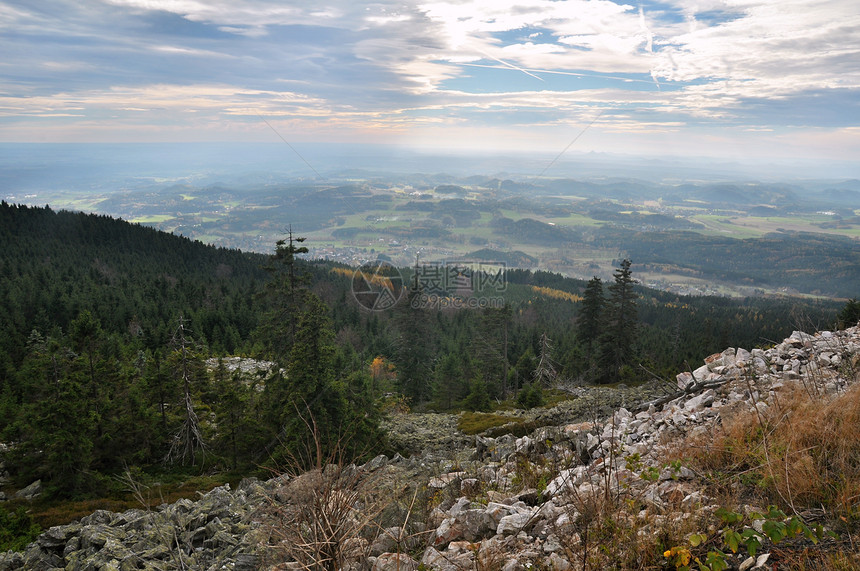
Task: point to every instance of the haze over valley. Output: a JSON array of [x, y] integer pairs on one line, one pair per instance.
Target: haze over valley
[[355, 204]]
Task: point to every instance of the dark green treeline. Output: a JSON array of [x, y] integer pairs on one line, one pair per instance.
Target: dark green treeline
[[93, 376]]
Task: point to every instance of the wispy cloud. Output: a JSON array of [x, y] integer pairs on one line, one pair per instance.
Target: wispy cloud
[[703, 70]]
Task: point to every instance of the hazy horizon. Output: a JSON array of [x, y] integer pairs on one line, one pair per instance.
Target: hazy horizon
[[106, 167]]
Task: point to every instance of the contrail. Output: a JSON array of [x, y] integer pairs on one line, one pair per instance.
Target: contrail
[[527, 70], [289, 145], [504, 63], [572, 142]]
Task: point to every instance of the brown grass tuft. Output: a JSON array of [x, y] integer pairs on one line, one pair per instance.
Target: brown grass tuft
[[801, 453]]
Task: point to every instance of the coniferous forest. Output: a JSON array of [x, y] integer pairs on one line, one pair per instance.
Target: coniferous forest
[[113, 335]]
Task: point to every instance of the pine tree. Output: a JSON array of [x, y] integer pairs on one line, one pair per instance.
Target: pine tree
[[414, 358], [284, 294], [620, 331], [590, 317]]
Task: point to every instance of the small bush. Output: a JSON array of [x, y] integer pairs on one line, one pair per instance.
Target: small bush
[[479, 397], [313, 520], [17, 529], [530, 396]]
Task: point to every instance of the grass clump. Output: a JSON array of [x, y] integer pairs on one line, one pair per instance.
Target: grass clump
[[478, 422]]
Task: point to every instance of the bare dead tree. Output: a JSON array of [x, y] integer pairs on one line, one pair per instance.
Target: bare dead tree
[[545, 373], [188, 441]]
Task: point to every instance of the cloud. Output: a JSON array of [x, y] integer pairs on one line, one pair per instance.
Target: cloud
[[330, 69]]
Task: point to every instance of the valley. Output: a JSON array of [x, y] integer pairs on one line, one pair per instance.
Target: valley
[[575, 227]]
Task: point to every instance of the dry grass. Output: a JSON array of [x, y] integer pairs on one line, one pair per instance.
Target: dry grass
[[802, 454], [328, 518], [616, 532], [322, 519]]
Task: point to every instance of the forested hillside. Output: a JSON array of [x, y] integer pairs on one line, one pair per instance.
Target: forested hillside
[[105, 326], [134, 280]]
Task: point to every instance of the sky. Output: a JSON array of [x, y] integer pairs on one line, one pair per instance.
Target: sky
[[750, 79]]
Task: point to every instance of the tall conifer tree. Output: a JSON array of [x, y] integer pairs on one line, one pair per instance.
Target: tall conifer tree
[[619, 335], [414, 351], [591, 314], [285, 293]]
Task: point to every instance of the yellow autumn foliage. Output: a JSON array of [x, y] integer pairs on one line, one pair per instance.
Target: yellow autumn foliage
[[557, 293], [374, 279]]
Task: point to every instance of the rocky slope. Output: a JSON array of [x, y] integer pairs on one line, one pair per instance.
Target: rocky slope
[[488, 503]]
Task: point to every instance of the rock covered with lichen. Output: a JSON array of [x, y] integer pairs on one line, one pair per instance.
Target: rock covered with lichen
[[214, 532]]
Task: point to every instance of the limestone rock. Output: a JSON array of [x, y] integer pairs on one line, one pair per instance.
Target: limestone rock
[[394, 562], [30, 492]]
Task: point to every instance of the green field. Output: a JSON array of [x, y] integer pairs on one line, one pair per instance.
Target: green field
[[152, 219], [575, 220], [722, 226]]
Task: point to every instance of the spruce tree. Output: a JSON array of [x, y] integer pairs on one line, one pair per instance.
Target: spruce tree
[[284, 295], [315, 412], [56, 426], [850, 314], [414, 355], [590, 317], [619, 335], [490, 347], [449, 387], [478, 399], [230, 411], [187, 443], [87, 336], [545, 373]]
